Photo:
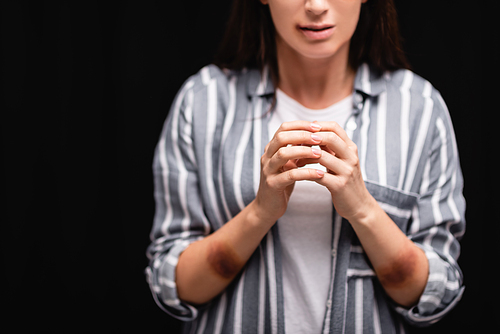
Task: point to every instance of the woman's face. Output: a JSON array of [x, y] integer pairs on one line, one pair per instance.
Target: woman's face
[[314, 28]]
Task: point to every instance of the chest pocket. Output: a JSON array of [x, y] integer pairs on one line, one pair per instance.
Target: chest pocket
[[398, 205]]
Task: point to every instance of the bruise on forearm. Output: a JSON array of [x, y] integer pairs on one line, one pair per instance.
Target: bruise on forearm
[[400, 272], [223, 260]]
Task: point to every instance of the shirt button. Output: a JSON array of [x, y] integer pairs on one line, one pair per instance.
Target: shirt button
[[334, 252], [357, 100], [351, 125], [329, 303]]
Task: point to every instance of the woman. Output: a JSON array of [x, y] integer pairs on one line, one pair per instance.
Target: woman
[[316, 91]]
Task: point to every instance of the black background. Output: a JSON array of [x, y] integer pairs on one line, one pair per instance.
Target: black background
[[86, 87]]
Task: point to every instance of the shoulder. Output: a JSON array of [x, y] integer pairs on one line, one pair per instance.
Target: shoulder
[[401, 85], [404, 80], [408, 87], [213, 90], [223, 79], [210, 85], [209, 95], [205, 77], [208, 74], [421, 104]]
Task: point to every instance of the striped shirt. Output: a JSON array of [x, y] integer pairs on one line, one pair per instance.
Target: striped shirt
[[207, 169]]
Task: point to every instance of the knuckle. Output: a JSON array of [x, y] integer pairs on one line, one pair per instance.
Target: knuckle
[[332, 137], [342, 181], [291, 175], [355, 161], [306, 136], [279, 137], [263, 160], [350, 171], [313, 174], [269, 182], [283, 127], [281, 153]]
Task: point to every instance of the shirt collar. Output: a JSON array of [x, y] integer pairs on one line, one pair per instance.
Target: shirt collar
[[259, 84], [367, 82]]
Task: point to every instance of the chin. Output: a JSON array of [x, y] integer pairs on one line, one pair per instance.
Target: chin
[[319, 53], [322, 50]]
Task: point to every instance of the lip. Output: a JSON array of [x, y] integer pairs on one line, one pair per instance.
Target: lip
[[316, 31]]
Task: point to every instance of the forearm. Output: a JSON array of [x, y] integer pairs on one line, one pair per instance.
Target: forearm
[[401, 267], [208, 266]]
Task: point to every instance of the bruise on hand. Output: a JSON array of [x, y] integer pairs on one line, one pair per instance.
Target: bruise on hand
[[223, 260], [400, 272]]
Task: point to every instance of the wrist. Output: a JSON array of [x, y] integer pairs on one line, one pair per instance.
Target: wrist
[[368, 213], [258, 217]]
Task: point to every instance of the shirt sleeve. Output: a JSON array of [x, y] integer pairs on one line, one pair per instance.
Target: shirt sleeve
[[438, 223], [179, 217]]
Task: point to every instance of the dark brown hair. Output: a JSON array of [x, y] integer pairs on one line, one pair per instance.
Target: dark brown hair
[[249, 38]]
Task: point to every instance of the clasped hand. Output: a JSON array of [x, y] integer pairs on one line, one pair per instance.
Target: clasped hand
[[295, 145]]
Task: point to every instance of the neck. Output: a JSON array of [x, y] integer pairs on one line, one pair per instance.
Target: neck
[[314, 83]]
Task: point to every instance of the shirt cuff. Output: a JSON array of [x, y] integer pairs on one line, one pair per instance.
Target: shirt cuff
[[442, 292], [161, 278]]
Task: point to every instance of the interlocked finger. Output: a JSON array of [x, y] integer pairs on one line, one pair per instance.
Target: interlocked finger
[[291, 154]]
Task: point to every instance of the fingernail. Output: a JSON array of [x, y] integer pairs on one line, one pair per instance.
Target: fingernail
[[316, 151], [320, 173], [316, 137], [315, 126]]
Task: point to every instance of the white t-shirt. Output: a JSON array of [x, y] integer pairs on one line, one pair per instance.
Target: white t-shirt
[[306, 228]]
